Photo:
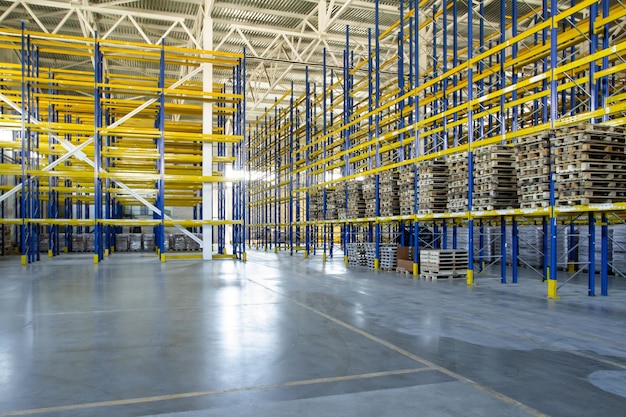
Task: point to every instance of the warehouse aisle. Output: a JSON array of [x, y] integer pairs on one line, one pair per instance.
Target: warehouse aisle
[[284, 336]]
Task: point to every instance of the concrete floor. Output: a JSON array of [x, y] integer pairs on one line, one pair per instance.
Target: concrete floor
[[284, 336]]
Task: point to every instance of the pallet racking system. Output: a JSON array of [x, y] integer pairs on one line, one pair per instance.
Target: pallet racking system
[[454, 86], [86, 143]]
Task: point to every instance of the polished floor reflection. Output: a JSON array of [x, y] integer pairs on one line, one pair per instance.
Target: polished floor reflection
[[285, 336]]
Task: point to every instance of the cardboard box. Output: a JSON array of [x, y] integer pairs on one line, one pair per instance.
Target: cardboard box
[[405, 264], [405, 252]]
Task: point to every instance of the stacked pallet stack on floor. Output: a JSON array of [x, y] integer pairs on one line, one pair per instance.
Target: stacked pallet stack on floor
[[147, 242], [134, 242], [458, 182], [7, 244], [178, 242], [432, 186], [580, 244], [533, 171], [443, 263], [495, 180], [389, 193], [407, 190], [388, 256], [121, 242], [369, 195], [356, 254], [370, 254], [356, 204], [589, 164], [530, 249]]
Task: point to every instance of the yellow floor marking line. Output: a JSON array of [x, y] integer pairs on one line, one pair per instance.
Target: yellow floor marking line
[[143, 400]]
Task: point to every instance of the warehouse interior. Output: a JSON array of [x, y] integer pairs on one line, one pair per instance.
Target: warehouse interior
[[322, 207]]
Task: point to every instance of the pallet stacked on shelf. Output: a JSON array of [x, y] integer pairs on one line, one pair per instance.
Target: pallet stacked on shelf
[[495, 180], [589, 164], [369, 195], [533, 171], [389, 193], [8, 244], [407, 190], [356, 205], [443, 263], [356, 254], [339, 200], [316, 204], [458, 182], [432, 186], [331, 203]]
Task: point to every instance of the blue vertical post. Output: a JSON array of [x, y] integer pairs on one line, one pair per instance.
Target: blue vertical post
[[377, 132], [514, 250], [161, 148], [325, 155], [470, 139], [604, 91], [604, 261], [97, 232], [242, 125], [552, 283], [416, 137], [291, 175], [307, 178], [24, 227], [503, 244], [593, 66], [592, 255]]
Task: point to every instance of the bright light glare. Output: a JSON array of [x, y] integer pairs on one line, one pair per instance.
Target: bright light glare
[[6, 136]]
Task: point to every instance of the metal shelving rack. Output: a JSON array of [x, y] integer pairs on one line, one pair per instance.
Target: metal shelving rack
[[90, 142], [541, 69]]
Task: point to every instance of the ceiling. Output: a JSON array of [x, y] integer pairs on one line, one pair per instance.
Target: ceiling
[[281, 37]]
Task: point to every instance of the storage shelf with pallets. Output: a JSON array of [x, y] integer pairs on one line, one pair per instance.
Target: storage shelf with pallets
[[510, 89]]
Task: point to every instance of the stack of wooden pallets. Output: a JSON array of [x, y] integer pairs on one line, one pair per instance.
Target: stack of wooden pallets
[[495, 180], [433, 186], [407, 190], [533, 171], [443, 263], [339, 200], [7, 239], [589, 164], [458, 182], [369, 195], [389, 193], [388, 256], [331, 203], [316, 205], [356, 254], [356, 205]]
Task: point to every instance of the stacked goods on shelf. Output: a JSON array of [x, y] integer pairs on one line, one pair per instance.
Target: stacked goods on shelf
[[134, 242], [389, 193], [178, 241], [369, 195], [78, 242], [618, 252], [339, 200], [589, 164], [331, 204], [147, 242], [405, 258], [121, 242], [462, 238], [191, 244], [530, 245], [495, 181], [533, 171], [316, 207], [7, 239], [388, 256], [432, 186], [407, 189], [443, 263], [44, 242], [356, 254], [458, 182], [90, 242], [356, 205]]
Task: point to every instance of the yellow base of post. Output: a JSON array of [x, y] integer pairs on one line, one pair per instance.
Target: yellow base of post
[[306, 254], [66, 249], [106, 253], [416, 268], [276, 249], [324, 257], [470, 277], [345, 260], [244, 256], [552, 289], [24, 260], [96, 259], [162, 256], [571, 268], [49, 253], [111, 250], [376, 264]]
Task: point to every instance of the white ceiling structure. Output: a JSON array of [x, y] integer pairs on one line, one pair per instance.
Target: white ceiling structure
[[281, 37]]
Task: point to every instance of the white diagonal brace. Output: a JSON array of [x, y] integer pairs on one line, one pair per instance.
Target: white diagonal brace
[[8, 11], [35, 18], [140, 30]]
